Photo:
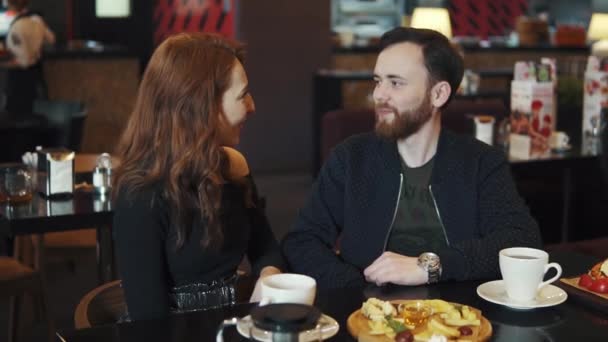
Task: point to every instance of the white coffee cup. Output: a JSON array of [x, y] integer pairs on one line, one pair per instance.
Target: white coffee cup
[[288, 288], [523, 270], [559, 140], [484, 128], [347, 38]]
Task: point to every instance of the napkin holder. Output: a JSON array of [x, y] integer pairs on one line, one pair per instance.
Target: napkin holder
[[55, 172]]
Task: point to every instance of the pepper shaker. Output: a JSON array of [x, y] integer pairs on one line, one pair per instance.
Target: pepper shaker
[[102, 175]]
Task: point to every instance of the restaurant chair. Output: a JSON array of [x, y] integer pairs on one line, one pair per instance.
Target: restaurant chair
[[20, 133], [16, 280], [102, 305], [337, 125], [66, 121]]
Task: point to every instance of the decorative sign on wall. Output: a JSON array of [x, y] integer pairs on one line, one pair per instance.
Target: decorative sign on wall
[[174, 16], [484, 18]]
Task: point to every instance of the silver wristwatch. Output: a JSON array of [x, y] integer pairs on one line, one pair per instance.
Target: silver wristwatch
[[430, 262]]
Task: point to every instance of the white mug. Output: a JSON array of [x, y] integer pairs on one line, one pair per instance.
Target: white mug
[[523, 270], [288, 288], [559, 140], [484, 128], [347, 38]]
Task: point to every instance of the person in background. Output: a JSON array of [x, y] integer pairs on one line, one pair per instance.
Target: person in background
[[26, 37], [186, 208], [410, 203]]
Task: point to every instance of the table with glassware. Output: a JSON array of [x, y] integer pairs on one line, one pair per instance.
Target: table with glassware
[[579, 317], [56, 190]]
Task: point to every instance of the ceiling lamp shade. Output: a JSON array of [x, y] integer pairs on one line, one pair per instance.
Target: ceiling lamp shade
[[598, 31], [598, 27], [434, 18]]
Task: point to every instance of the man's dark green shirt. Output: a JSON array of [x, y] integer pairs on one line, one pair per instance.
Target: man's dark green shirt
[[417, 228]]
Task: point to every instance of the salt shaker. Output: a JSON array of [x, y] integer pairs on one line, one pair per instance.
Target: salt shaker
[[102, 175]]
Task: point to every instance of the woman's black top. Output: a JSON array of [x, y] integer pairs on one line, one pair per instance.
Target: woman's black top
[[152, 268]]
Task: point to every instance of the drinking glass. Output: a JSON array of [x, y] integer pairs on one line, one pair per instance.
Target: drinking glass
[[15, 183]]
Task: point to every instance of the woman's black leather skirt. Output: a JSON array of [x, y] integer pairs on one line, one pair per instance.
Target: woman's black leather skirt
[[199, 296]]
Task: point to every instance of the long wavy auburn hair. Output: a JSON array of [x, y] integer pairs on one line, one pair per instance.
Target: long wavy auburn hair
[[173, 135]]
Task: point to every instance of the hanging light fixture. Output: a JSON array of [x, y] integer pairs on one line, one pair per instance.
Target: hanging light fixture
[[434, 18], [112, 8], [598, 34]]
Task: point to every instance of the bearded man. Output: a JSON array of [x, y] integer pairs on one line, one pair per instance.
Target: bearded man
[[410, 203]]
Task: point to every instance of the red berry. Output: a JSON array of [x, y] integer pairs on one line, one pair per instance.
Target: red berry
[[404, 336], [465, 331], [585, 280], [600, 285]]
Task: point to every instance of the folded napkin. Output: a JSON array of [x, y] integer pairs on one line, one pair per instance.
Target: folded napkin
[[30, 159]]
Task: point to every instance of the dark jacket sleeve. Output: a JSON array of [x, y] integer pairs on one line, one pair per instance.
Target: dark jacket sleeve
[[139, 226], [504, 221], [263, 247], [310, 245]]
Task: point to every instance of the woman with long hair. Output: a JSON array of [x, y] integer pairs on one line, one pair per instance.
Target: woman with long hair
[[186, 209]]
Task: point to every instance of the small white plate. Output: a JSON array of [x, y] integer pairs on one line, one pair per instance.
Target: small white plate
[[494, 291], [330, 329]]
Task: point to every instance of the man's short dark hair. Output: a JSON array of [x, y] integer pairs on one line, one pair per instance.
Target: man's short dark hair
[[442, 60]]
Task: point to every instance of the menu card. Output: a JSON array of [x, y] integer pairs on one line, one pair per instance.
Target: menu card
[[532, 108], [595, 98]]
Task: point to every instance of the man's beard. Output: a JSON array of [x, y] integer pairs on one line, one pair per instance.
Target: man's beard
[[405, 123]]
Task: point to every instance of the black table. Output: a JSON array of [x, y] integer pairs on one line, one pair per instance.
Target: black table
[[581, 160], [83, 210], [569, 321]]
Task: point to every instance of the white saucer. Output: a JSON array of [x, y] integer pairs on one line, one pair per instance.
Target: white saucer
[[494, 291], [562, 149], [330, 329]]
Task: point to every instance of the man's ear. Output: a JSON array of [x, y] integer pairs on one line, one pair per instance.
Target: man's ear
[[440, 93]]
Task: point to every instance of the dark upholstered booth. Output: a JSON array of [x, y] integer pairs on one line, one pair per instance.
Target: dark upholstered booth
[[339, 124]]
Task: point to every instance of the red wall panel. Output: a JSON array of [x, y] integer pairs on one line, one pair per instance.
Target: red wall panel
[[485, 18], [173, 16]]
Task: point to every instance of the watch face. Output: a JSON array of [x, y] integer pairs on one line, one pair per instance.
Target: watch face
[[429, 261]]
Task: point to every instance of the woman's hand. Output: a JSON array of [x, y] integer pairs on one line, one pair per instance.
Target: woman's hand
[[256, 296]]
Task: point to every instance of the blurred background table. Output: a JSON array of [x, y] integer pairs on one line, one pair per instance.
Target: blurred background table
[[85, 209]]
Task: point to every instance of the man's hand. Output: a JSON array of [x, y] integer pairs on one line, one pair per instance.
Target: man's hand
[[397, 269]]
